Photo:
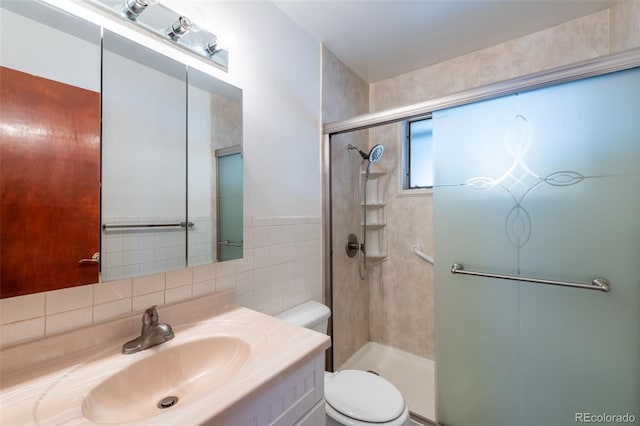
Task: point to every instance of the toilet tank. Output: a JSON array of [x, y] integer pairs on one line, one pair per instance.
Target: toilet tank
[[311, 314]]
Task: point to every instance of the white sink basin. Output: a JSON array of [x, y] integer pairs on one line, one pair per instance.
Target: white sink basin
[[216, 362], [165, 380]]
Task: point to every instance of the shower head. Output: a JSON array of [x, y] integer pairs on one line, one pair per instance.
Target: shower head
[[374, 154]]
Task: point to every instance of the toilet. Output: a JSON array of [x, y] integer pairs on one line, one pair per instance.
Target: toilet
[[353, 397]]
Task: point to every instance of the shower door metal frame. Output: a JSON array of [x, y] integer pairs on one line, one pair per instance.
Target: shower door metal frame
[[589, 68]]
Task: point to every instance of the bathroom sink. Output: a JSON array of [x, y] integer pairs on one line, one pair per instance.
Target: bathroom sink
[[173, 376]]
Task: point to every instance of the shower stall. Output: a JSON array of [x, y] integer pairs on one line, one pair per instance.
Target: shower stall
[[382, 293], [530, 314]]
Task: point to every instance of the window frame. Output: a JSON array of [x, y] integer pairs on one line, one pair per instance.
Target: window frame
[[405, 166]]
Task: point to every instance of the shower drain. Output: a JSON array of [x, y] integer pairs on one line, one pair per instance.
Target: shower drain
[[168, 401]]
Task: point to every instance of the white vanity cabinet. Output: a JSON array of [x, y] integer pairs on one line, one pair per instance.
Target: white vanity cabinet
[[296, 399]]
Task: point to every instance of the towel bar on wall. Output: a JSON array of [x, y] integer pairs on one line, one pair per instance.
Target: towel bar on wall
[[149, 225], [229, 243], [600, 284]]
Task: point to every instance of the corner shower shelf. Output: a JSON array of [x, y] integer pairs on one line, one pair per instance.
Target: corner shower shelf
[[376, 173], [374, 211], [376, 257], [376, 225]]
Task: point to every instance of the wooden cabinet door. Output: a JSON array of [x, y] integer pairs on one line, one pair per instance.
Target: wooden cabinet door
[[49, 184]]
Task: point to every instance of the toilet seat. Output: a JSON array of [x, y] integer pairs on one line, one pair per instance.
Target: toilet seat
[[364, 397]]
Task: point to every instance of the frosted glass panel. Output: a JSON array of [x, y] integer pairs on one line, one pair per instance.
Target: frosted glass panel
[[230, 207], [542, 184]]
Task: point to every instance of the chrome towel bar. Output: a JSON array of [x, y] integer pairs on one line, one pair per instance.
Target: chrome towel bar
[[229, 243], [600, 284], [149, 225]]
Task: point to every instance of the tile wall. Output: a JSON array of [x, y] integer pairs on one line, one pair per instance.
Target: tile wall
[[281, 267]]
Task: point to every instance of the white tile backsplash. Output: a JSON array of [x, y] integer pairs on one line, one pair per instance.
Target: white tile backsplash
[[178, 278], [245, 282], [248, 237], [246, 263], [21, 308], [21, 331], [260, 257], [178, 294], [282, 271], [112, 290], [148, 284], [68, 299], [263, 221], [140, 303], [69, 320], [204, 273], [261, 236], [204, 288], [226, 282], [261, 277], [109, 310], [225, 269]]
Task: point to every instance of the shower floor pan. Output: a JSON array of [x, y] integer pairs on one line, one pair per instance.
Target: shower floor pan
[[412, 375]]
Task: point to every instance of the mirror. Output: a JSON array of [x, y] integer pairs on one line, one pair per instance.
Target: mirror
[[144, 177], [166, 129]]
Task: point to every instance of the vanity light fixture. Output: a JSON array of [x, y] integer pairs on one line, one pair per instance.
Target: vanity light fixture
[[163, 22], [133, 8], [212, 47], [179, 28]]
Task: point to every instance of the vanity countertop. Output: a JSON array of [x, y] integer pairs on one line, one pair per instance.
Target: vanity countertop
[[55, 391]]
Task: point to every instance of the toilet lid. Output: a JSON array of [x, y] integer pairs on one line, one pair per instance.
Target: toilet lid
[[364, 396]]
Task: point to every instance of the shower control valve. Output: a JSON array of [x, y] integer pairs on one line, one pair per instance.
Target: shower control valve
[[353, 245]]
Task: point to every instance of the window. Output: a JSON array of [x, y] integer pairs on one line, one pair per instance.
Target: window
[[418, 155]]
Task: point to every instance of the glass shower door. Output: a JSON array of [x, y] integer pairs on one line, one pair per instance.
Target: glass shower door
[[543, 184]]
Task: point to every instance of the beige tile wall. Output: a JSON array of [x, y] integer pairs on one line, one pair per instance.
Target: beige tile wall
[[577, 40], [624, 25], [401, 304], [345, 95], [280, 268], [401, 289]]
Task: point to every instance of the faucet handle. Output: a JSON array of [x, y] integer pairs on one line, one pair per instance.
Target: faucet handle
[[150, 316]]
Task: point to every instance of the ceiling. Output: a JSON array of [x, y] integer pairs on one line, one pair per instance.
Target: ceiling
[[380, 39]]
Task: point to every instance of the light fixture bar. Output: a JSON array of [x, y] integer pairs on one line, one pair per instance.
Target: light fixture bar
[[133, 8], [167, 24], [179, 28]]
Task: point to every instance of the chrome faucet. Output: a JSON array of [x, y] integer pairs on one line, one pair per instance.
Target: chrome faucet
[[153, 333]]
